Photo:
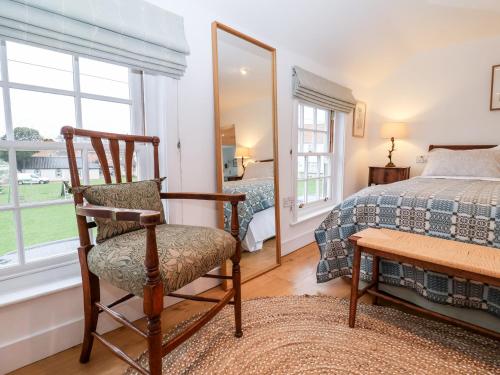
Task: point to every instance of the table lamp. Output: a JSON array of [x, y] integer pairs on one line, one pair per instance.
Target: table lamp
[[243, 153], [393, 130]]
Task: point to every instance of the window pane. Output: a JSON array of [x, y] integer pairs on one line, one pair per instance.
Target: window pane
[[312, 166], [103, 79], [2, 117], [321, 142], [5, 193], [8, 246], [308, 117], [301, 191], [43, 175], [301, 167], [321, 120], [325, 168], [95, 172], [325, 188], [109, 116], [307, 141], [312, 190], [96, 176], [40, 67], [49, 225], [46, 115]]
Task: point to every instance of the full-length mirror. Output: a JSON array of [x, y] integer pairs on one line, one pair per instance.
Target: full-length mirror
[[246, 144]]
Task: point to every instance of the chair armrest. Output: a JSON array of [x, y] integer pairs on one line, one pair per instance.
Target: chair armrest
[[205, 196], [143, 217]]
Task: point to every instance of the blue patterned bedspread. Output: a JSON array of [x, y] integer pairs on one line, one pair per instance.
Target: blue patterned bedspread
[[260, 196], [454, 209]]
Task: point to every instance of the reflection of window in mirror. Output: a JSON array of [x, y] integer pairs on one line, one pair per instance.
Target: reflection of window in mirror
[[319, 160]]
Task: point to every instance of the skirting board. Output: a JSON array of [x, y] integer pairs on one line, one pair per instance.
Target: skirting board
[[44, 343], [297, 243]]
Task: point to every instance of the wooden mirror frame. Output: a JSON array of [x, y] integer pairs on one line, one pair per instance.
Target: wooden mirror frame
[[218, 141]]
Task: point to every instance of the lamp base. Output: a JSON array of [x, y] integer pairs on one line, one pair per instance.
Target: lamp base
[[390, 165]]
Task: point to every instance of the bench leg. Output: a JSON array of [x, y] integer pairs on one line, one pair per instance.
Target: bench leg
[[356, 264], [375, 273]]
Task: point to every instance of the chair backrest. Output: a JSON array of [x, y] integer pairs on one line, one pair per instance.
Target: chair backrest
[[96, 139]]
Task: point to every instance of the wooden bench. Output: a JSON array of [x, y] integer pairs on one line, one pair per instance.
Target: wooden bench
[[468, 261]]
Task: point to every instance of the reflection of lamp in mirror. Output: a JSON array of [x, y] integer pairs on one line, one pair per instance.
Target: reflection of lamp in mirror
[[392, 130], [243, 153]]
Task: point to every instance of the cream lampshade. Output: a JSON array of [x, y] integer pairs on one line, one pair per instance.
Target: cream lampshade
[[393, 130], [396, 130], [242, 152]]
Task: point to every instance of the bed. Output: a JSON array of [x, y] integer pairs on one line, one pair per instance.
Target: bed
[[458, 208], [256, 213]]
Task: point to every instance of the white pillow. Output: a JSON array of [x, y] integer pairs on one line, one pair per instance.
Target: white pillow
[[471, 163], [259, 170]]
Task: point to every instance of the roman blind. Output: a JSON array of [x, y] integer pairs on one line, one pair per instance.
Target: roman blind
[[132, 33], [317, 90]]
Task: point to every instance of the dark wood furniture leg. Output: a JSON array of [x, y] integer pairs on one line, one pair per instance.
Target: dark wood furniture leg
[[375, 274], [153, 302], [236, 269], [356, 263], [91, 295]]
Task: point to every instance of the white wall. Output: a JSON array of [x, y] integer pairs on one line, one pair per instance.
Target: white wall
[[443, 95], [253, 123]]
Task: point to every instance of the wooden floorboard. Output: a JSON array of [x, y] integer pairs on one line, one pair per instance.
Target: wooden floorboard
[[296, 276]]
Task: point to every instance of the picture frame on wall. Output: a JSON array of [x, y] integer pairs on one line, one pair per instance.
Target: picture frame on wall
[[495, 88], [359, 120]]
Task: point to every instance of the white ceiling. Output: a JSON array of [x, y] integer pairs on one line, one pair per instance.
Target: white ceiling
[[237, 89], [363, 39]]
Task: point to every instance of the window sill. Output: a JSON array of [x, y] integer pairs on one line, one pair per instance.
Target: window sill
[[312, 214], [39, 284]]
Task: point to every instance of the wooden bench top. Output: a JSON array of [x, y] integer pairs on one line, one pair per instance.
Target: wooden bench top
[[456, 255]]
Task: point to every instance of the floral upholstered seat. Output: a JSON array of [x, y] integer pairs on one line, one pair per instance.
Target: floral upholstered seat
[[185, 253]]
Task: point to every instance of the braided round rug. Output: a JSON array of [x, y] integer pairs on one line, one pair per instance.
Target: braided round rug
[[309, 335]]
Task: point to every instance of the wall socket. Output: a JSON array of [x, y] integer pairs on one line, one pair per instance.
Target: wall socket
[[421, 159]]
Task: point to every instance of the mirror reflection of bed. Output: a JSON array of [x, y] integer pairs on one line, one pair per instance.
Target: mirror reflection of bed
[[245, 123], [257, 215]]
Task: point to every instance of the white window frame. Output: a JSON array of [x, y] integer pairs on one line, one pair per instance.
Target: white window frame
[[336, 152], [137, 127]]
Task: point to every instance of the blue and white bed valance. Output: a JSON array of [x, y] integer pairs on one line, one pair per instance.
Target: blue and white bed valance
[[132, 33]]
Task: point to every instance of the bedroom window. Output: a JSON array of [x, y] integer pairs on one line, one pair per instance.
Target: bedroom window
[[315, 159], [41, 91]]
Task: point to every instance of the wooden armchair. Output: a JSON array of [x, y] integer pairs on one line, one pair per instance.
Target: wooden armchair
[[155, 284]]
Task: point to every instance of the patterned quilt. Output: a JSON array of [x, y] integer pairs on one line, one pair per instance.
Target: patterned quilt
[[260, 195], [454, 209]]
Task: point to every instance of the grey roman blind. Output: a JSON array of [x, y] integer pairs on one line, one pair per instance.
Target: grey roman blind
[[317, 90], [128, 32]]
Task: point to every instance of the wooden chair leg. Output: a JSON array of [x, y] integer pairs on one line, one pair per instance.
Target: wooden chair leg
[[91, 295], [356, 262], [235, 231], [237, 298], [153, 302], [154, 344]]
